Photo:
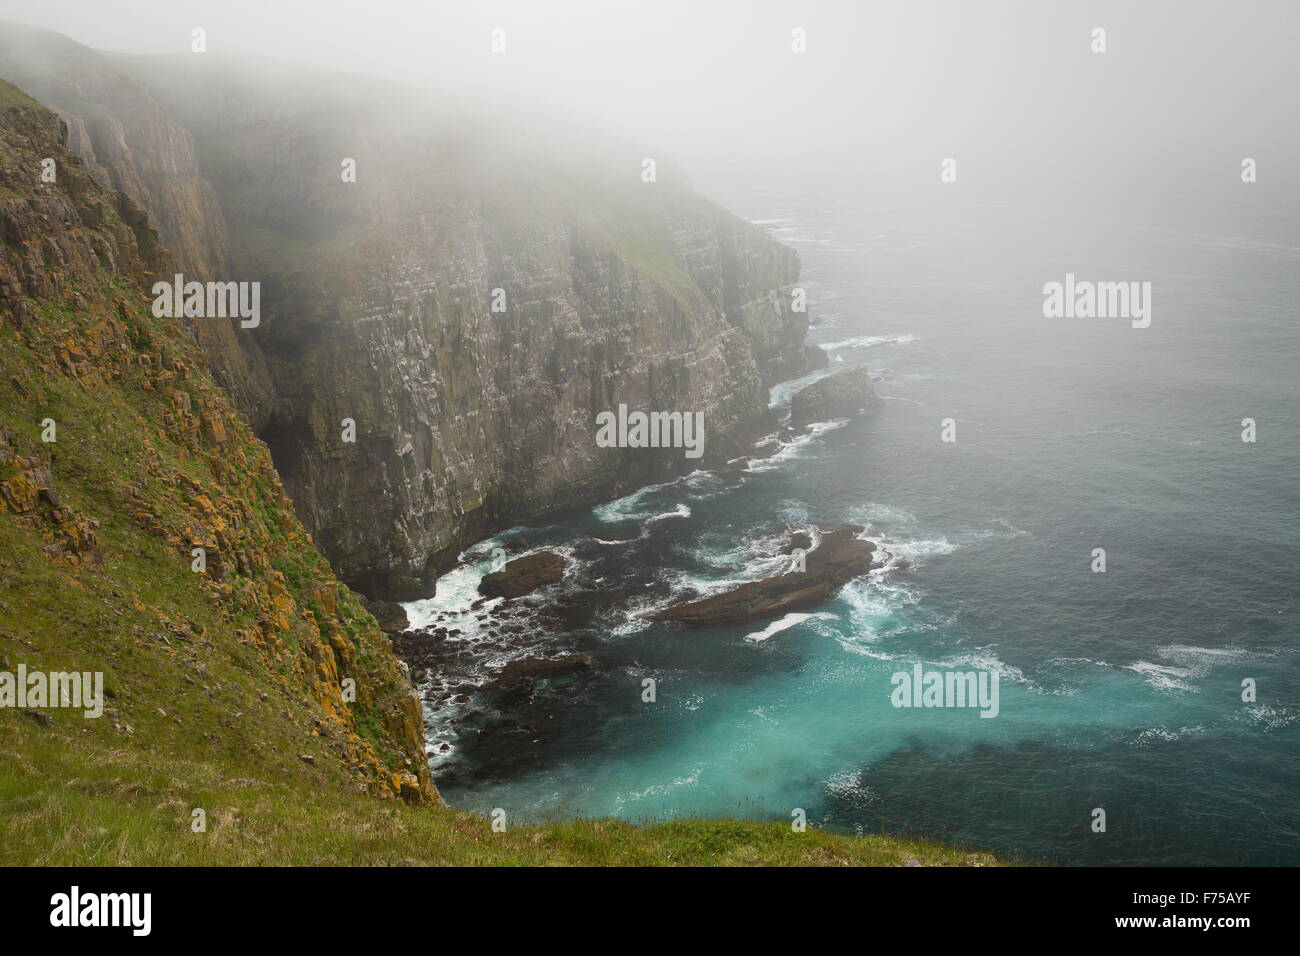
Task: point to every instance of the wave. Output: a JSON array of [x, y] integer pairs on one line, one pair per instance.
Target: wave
[[1163, 677], [868, 341], [789, 621], [635, 507], [780, 394], [1272, 718], [983, 662], [681, 511], [1183, 664], [793, 447], [759, 554], [1165, 735]]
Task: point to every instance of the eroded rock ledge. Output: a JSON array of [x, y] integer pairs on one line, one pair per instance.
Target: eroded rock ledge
[[840, 557], [524, 575]]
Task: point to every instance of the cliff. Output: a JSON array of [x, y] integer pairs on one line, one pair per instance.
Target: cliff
[[119, 457], [227, 690], [127, 142], [378, 299]]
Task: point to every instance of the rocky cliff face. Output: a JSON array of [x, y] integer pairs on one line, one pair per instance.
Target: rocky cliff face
[[119, 457], [128, 142], [469, 304], [470, 420]]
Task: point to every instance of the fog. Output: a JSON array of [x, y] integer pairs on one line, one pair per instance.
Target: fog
[[1155, 126]]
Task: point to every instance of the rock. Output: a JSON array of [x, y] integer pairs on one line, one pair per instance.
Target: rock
[[420, 648], [390, 616], [816, 357], [524, 575], [533, 668], [307, 759], [839, 557], [799, 541], [841, 395]]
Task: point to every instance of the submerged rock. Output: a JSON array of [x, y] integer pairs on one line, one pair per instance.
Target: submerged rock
[[533, 668], [841, 395], [524, 575], [840, 557]]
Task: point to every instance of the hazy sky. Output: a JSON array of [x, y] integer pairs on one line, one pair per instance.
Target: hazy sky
[[882, 94]]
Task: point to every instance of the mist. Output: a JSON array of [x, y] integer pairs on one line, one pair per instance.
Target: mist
[[572, 412], [1155, 127]]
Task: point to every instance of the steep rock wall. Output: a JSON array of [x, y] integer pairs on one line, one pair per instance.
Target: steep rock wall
[[378, 305]]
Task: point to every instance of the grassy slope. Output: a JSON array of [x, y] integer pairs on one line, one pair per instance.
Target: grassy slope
[[68, 801], [216, 688]]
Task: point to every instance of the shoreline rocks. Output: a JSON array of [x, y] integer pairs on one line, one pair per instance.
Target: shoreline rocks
[[529, 669], [840, 395], [840, 557], [524, 575]]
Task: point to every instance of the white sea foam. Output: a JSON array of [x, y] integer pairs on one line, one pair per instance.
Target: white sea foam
[[1272, 718], [796, 446], [681, 511], [455, 592], [789, 621], [868, 341], [1163, 677], [844, 783], [982, 661], [700, 484], [873, 514], [1183, 664], [779, 395], [1164, 734]]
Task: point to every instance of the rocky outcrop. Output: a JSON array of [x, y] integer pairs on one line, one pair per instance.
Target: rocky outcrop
[[839, 557], [840, 395], [27, 492], [524, 575], [389, 615], [528, 669], [470, 303]]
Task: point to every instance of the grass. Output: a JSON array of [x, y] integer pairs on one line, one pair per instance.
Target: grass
[[68, 801], [10, 95]]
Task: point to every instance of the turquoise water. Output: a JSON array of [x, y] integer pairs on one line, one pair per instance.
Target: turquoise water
[[1119, 690]]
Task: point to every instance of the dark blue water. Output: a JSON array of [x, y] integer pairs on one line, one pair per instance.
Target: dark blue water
[[1119, 690]]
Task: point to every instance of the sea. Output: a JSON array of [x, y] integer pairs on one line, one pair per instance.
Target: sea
[[1149, 713]]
